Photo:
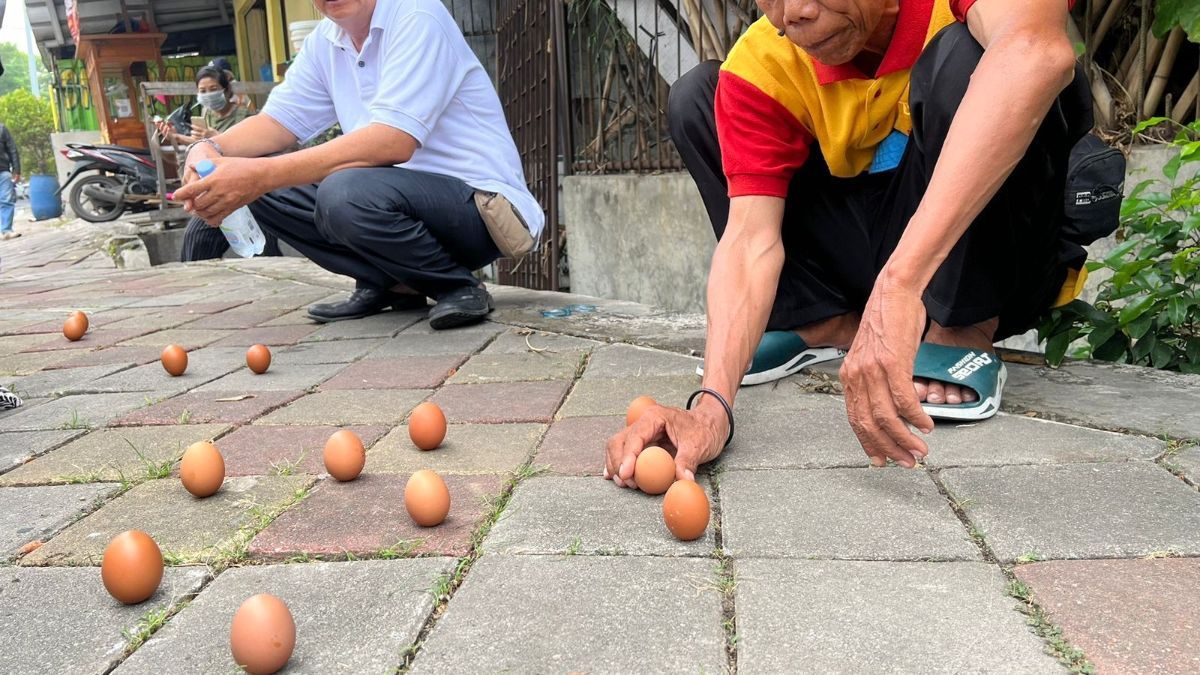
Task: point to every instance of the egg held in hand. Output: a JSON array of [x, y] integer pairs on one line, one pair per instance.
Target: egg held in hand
[[132, 567], [654, 471], [636, 408]]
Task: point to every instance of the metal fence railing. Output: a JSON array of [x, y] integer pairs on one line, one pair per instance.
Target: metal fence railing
[[622, 58]]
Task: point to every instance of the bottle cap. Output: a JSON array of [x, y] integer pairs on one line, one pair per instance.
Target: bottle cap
[[205, 167]]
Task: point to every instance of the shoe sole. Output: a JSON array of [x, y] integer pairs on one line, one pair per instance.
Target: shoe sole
[[334, 319], [808, 358], [457, 318]]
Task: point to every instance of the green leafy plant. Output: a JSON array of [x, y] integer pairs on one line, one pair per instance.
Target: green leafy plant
[[30, 121], [1148, 311]]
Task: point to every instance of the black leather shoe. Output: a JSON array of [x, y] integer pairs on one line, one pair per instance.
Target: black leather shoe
[[363, 302], [467, 305]]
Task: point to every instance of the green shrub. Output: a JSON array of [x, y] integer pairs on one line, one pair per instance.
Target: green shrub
[[30, 121], [1148, 311]]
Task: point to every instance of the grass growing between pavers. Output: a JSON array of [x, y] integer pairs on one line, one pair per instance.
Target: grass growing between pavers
[[1036, 618], [726, 582], [1175, 447], [237, 551]]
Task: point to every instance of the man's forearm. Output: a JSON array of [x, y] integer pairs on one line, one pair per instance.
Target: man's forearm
[[372, 145], [742, 283], [256, 136], [1011, 90]]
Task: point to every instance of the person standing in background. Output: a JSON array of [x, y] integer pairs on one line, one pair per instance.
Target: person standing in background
[[10, 174]]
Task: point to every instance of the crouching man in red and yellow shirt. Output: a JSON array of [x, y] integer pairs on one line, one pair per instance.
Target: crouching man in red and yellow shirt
[[886, 179]]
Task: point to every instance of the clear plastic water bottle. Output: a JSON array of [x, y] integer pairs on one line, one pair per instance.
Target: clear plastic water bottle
[[239, 228]]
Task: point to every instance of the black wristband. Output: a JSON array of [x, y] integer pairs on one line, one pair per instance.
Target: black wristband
[[724, 404]]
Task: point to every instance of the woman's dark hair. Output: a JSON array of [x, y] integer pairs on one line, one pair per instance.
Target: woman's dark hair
[[216, 74]]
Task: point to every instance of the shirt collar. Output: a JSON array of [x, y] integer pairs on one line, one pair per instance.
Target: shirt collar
[[908, 40], [340, 39]]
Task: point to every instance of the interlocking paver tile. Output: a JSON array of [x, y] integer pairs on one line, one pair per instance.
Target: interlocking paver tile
[[602, 396], [340, 351], [31, 362], [626, 361], [183, 525], [72, 412], [1079, 510], [843, 616], [383, 325], [204, 365], [208, 407], [233, 318], [329, 602], [60, 382], [1187, 462], [267, 335], [367, 515], [17, 447], [134, 354], [277, 378], [257, 450], [859, 514], [1128, 616], [785, 429], [351, 406], [554, 514], [126, 453], [421, 341], [1015, 439], [575, 446], [537, 613], [500, 367], [501, 401], [468, 448], [31, 513], [61, 620], [188, 338], [525, 341], [413, 372]]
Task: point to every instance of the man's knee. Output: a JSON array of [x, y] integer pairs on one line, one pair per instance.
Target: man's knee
[[339, 200], [691, 99]]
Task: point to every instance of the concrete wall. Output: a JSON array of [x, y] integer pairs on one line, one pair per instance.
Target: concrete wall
[[640, 238], [59, 140]]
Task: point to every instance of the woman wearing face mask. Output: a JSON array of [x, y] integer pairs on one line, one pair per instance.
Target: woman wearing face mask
[[214, 91]]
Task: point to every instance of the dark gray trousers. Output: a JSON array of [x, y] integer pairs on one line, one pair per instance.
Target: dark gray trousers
[[384, 226]]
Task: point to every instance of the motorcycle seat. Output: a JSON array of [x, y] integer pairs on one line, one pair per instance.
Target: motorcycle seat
[[125, 148]]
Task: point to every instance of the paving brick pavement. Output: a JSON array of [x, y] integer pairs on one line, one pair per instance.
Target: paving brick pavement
[[809, 562]]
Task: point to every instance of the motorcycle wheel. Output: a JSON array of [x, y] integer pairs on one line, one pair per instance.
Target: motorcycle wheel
[[93, 210]]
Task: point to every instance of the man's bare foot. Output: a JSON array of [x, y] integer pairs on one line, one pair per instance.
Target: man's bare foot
[[978, 336]]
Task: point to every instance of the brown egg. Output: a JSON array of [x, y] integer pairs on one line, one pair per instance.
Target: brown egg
[[654, 471], [202, 469], [258, 358], [75, 326], [263, 634], [685, 510], [638, 406], [344, 455], [427, 498], [174, 360], [427, 426], [132, 567]]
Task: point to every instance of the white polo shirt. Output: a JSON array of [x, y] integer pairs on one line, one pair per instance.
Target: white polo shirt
[[415, 73]]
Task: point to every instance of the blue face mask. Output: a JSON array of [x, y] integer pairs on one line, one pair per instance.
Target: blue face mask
[[213, 100]]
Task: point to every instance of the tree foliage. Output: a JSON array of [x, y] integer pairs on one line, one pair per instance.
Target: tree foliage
[[16, 70], [31, 122], [1171, 13]]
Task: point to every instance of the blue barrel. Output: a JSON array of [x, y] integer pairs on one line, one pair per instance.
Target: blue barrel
[[42, 198]]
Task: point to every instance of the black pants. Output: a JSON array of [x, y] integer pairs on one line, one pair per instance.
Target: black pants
[[203, 242], [839, 232], [384, 226]]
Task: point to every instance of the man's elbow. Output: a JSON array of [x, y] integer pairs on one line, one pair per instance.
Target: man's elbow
[[1049, 53]]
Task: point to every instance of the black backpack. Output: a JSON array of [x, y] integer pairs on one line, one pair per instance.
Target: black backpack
[[1095, 181]]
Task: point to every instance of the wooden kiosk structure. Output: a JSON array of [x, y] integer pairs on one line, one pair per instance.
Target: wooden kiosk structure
[[115, 68]]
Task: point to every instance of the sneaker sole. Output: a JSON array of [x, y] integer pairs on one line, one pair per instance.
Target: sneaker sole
[[809, 357]]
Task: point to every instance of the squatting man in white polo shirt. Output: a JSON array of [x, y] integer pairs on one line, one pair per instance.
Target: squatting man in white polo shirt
[[399, 202]]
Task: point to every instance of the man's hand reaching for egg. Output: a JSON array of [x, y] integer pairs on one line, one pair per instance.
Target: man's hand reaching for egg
[[694, 436]]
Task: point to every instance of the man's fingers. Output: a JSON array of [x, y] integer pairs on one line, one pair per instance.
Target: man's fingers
[[904, 398]]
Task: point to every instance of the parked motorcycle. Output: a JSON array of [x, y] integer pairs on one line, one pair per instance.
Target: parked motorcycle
[[118, 179]]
